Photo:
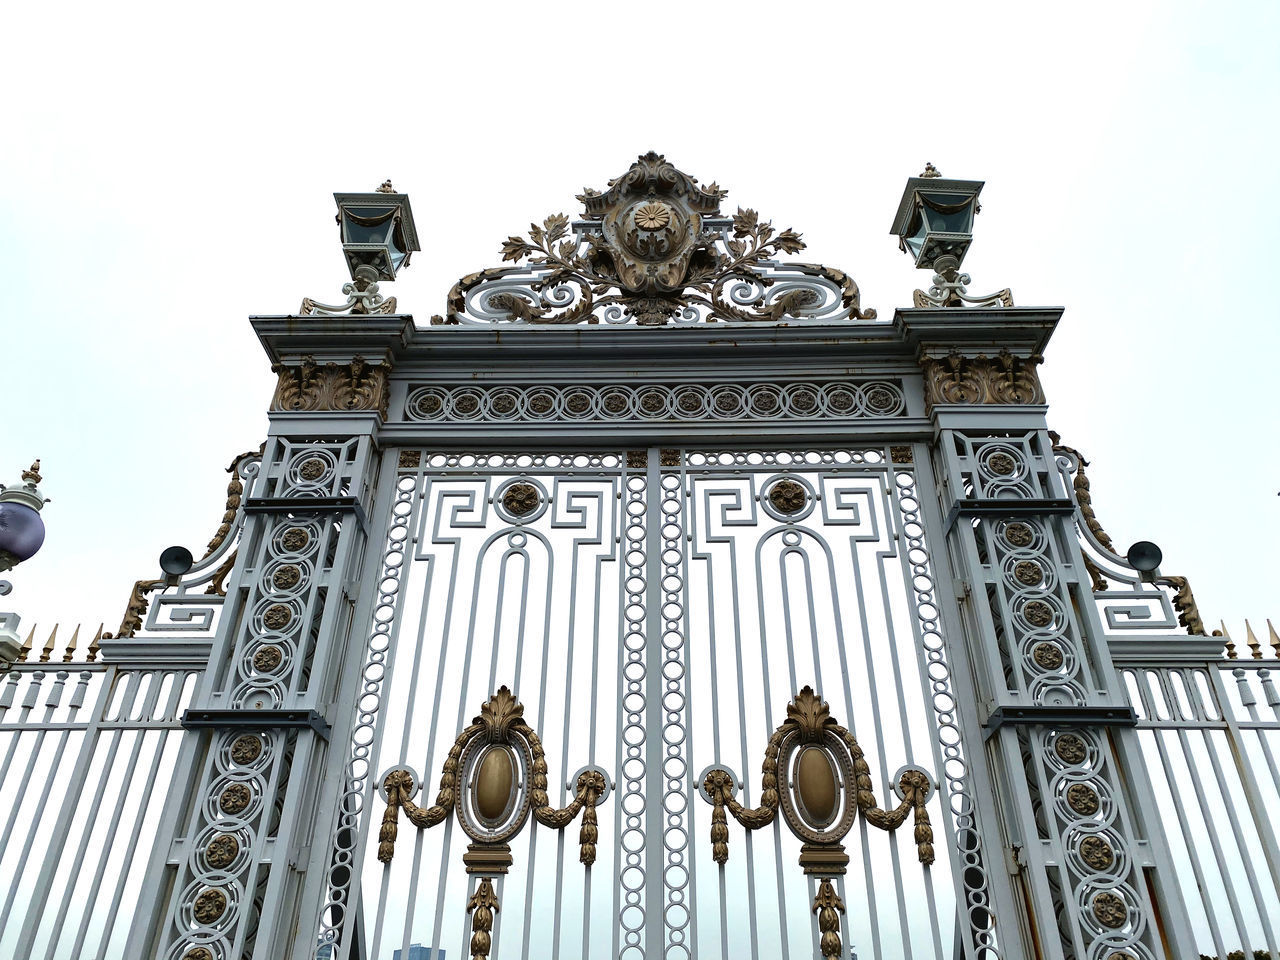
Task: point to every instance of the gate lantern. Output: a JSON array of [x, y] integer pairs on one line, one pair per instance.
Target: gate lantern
[[21, 529]]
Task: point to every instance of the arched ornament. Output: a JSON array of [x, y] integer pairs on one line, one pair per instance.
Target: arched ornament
[[653, 249]]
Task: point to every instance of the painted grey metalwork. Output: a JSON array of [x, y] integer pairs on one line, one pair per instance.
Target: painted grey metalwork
[[655, 532]]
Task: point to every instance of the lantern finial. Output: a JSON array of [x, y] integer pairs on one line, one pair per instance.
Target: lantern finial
[[930, 172]]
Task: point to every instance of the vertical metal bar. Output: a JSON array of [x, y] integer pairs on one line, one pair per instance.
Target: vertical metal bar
[[655, 932]]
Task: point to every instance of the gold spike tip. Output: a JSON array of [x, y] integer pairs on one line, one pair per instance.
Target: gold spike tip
[[1254, 645], [1275, 638]]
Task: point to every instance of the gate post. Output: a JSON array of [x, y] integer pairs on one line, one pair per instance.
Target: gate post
[[271, 716], [1079, 832]]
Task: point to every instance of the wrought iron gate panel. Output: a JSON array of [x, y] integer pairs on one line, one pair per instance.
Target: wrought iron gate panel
[[650, 609], [829, 583], [1210, 734], [92, 747], [528, 572]]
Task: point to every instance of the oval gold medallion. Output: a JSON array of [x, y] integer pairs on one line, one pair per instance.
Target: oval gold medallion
[[494, 778], [816, 785]]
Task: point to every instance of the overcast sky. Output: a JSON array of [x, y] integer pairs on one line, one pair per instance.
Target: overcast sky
[[167, 172]]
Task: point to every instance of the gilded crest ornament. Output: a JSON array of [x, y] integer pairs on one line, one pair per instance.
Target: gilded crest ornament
[[816, 774], [1001, 464], [653, 248], [493, 779], [198, 953]]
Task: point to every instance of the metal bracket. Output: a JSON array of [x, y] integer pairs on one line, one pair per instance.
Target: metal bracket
[[1061, 716], [255, 720], [308, 505], [1008, 508]]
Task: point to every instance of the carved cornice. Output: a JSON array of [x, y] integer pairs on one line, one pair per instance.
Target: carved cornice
[[334, 387], [1002, 379]]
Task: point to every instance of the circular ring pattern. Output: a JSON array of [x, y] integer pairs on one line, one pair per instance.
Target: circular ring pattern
[[209, 905]]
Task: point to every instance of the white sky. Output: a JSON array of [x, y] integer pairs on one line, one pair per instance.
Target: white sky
[[168, 171]]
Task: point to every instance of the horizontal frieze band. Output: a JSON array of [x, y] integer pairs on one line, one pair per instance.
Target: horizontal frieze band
[[661, 402], [997, 507]]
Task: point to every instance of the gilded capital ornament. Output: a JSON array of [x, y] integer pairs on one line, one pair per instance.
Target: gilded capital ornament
[[307, 387], [1002, 379]]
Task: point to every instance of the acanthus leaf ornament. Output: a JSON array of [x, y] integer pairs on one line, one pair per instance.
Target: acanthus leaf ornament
[[794, 781], [654, 248], [494, 778]]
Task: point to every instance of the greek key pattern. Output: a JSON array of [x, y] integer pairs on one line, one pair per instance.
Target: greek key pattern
[[792, 400]]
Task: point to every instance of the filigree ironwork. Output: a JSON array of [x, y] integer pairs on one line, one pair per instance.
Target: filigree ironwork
[[493, 809], [653, 248], [308, 387], [811, 803]]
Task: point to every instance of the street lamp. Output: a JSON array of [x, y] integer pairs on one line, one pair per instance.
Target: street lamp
[[21, 535], [378, 238], [934, 224]]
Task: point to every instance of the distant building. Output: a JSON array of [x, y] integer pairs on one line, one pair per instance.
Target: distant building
[[418, 952]]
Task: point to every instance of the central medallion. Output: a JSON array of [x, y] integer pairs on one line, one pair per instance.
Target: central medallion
[[652, 216]]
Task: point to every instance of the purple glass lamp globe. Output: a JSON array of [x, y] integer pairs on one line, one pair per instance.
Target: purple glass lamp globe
[[21, 530]]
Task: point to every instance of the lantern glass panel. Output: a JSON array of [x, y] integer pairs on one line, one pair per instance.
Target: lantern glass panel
[[948, 213], [368, 225], [916, 234]]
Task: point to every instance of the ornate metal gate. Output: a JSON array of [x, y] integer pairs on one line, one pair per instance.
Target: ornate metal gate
[[656, 601]]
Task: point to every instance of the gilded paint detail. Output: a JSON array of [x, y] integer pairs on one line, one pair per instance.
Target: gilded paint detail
[[222, 851], [308, 387], [521, 498], [1082, 799], [277, 616], [652, 248], [234, 798], [1028, 572], [209, 906], [1110, 909], [1097, 853], [246, 749], [788, 496], [286, 577], [1048, 656], [1001, 379], [1070, 748]]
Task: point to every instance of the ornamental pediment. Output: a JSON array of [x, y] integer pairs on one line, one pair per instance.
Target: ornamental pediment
[[653, 248]]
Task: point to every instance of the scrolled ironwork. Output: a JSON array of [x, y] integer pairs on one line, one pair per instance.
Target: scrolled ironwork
[[499, 726], [653, 249]]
